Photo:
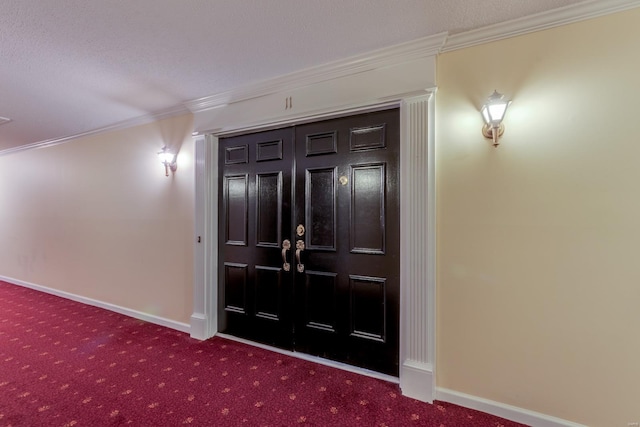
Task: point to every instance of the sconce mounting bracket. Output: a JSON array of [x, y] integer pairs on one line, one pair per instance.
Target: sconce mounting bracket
[[488, 132]]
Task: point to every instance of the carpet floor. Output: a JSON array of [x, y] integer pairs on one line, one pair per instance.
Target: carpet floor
[[63, 363]]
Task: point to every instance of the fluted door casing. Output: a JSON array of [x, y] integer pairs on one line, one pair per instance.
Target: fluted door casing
[[417, 266]]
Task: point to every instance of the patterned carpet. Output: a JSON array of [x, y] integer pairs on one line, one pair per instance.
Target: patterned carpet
[[63, 363]]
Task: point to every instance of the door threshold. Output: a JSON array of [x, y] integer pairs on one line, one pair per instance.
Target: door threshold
[[315, 359]]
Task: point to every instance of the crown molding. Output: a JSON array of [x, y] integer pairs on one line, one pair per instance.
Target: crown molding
[[389, 56], [137, 121], [537, 22], [420, 48]]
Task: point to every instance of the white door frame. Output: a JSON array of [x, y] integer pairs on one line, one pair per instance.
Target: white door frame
[[366, 85]]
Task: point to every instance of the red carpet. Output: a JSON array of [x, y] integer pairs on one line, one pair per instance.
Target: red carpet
[[63, 363]]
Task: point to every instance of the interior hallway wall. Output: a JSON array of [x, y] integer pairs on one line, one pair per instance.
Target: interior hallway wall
[[538, 274], [96, 217]]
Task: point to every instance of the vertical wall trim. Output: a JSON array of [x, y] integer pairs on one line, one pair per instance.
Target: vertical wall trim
[[204, 319], [198, 318], [417, 255]]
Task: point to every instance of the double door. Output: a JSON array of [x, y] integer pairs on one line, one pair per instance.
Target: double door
[[309, 238]]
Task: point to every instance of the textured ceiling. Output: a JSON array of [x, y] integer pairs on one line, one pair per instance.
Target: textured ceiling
[[73, 66]]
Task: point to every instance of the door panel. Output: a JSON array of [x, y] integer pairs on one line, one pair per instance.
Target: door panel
[[338, 179], [268, 292], [368, 308], [236, 196], [320, 207], [269, 205], [349, 204], [255, 292], [321, 143], [235, 282], [320, 300], [368, 209]]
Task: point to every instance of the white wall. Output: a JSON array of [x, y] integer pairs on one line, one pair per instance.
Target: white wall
[[96, 217]]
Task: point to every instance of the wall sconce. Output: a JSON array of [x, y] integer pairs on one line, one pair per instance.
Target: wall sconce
[[168, 159], [493, 112]]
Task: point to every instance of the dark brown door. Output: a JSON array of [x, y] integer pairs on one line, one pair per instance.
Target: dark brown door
[[255, 292], [340, 297]]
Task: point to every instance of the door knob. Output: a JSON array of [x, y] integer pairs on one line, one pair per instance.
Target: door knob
[[286, 245], [299, 249]]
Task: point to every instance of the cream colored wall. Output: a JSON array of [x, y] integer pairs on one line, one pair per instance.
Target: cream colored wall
[[96, 217], [538, 240]]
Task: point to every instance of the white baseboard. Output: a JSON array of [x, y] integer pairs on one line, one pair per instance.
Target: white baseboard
[[416, 380], [157, 320], [199, 326], [502, 410]]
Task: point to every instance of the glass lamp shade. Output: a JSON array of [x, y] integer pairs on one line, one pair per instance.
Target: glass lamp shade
[[166, 157], [494, 109]]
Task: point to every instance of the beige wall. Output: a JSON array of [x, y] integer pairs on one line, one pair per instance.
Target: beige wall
[[96, 217], [538, 240]]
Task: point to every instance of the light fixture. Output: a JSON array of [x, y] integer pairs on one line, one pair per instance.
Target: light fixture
[[168, 159], [493, 112]]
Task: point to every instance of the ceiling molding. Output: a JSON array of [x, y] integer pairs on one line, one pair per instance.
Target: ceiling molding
[[142, 120], [389, 56], [415, 49], [540, 21]]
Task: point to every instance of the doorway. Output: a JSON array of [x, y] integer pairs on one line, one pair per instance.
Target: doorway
[[308, 238]]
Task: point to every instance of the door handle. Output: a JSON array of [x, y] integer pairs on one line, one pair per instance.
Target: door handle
[[299, 249], [286, 245]]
